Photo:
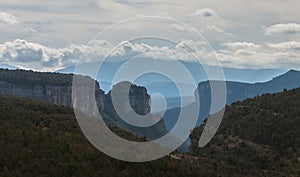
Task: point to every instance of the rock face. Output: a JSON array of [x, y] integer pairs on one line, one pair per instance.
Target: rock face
[[139, 100], [49, 87], [57, 89], [50, 93]]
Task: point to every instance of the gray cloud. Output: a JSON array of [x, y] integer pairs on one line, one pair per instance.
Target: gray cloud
[[7, 18], [206, 12], [181, 28], [241, 45], [288, 28], [285, 45]]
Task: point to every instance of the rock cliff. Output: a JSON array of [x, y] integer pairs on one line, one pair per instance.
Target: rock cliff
[[57, 89]]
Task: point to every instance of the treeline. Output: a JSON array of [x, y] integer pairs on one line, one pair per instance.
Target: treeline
[[36, 78]]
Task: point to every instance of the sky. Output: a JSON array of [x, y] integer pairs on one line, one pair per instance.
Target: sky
[[51, 35]]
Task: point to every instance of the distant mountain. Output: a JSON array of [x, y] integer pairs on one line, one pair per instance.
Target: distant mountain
[[237, 91], [257, 137], [153, 83], [158, 84], [6, 66]]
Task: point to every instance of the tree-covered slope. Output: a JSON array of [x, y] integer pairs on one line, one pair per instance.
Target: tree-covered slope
[[257, 137], [41, 139]]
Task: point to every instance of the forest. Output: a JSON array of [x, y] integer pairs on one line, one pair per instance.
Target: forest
[[43, 140]]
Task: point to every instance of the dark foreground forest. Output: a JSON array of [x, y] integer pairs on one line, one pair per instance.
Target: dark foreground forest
[[41, 139]]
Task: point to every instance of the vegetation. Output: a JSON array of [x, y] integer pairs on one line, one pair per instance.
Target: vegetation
[[258, 137], [31, 78], [44, 140]]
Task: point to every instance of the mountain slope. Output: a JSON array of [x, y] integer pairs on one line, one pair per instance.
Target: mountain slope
[[237, 91], [258, 137], [57, 89], [39, 139]]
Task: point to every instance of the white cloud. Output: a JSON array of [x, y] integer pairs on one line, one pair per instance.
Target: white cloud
[[250, 55], [237, 54], [206, 13], [7, 18], [36, 56], [288, 28], [182, 28], [39, 57], [241, 45], [285, 45], [214, 28]]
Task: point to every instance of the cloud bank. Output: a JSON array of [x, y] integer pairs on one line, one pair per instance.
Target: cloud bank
[[242, 54]]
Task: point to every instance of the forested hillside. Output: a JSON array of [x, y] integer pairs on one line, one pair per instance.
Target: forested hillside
[[257, 137], [39, 139]]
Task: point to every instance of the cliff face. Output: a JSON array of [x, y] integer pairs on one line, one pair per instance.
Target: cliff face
[[57, 89], [139, 101], [59, 95]]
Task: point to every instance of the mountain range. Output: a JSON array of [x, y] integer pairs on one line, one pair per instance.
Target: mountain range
[[109, 69], [236, 91]]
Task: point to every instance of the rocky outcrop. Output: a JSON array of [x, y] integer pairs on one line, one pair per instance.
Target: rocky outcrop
[[57, 89], [139, 100]]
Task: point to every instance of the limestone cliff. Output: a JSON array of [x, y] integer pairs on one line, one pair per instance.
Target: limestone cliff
[[57, 89]]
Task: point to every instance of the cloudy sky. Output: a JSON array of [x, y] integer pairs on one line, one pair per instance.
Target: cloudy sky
[[50, 35]]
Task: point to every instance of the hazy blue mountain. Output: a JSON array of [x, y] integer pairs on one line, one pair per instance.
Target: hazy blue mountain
[[6, 66], [159, 84], [165, 86], [237, 91]]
